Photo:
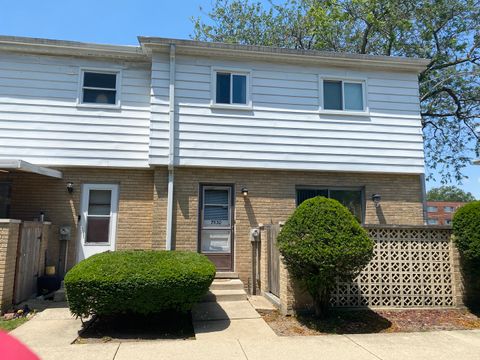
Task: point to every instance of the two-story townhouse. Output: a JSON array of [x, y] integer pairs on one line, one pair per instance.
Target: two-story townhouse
[[179, 144]]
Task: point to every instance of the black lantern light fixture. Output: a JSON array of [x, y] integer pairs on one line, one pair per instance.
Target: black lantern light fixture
[[376, 198], [70, 187], [244, 191]]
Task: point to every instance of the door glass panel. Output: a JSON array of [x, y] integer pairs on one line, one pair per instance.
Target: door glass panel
[[216, 208], [98, 229], [99, 202], [216, 241], [304, 194], [351, 199], [98, 216]]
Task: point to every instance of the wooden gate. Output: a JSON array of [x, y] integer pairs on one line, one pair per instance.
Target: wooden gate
[[28, 260], [273, 259]]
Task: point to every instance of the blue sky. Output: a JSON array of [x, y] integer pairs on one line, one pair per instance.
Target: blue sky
[[120, 22]]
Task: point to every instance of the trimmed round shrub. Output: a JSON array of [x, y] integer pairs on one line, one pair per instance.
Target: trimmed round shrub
[[466, 228], [321, 241], [141, 282]]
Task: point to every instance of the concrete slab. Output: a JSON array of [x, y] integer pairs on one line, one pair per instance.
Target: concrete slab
[[41, 333], [181, 350], [224, 310], [438, 345], [260, 303], [332, 347], [233, 329], [105, 351], [61, 313]]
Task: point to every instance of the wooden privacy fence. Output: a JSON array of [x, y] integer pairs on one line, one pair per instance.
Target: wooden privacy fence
[[413, 266], [29, 264]]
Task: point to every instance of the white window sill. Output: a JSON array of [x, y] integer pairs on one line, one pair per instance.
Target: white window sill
[[231, 106], [344, 113], [98, 106]]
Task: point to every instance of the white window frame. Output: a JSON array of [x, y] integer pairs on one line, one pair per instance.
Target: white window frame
[[232, 71], [449, 207], [432, 221], [354, 80], [118, 88], [432, 208]]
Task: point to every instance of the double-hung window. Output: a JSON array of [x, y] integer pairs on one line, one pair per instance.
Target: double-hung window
[[100, 88], [231, 88], [343, 95]]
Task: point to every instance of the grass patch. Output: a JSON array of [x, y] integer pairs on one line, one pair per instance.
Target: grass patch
[[9, 325], [132, 327]]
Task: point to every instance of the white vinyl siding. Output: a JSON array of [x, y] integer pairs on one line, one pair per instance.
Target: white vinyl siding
[[41, 122], [284, 129]]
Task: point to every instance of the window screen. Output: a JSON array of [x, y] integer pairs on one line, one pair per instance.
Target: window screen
[[99, 88], [231, 88]]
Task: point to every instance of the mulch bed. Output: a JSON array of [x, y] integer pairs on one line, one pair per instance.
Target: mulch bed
[[162, 326], [372, 321]]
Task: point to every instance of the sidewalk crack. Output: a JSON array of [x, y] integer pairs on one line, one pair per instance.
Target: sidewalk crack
[[363, 347], [116, 351], [243, 350]]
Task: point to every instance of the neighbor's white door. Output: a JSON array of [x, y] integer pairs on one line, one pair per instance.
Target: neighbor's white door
[[98, 219]]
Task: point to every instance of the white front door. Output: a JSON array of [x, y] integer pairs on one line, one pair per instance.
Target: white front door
[[98, 219]]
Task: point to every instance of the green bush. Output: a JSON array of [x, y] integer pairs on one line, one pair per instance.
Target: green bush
[[321, 241], [466, 228], [141, 282]]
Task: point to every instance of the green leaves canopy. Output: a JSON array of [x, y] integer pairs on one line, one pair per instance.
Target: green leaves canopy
[[445, 31]]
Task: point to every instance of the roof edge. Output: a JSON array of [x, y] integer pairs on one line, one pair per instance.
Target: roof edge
[[257, 51], [64, 47]]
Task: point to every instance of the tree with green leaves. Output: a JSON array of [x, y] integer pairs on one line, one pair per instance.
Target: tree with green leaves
[[449, 193], [445, 31]]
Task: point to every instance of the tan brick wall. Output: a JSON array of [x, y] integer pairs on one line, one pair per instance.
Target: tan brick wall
[[33, 193], [272, 197], [8, 257]]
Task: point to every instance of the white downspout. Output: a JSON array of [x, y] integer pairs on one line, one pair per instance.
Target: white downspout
[[171, 150]]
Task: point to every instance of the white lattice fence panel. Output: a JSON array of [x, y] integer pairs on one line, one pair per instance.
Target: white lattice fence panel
[[410, 268]]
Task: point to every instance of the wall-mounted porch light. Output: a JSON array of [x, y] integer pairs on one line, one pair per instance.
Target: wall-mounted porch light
[[70, 187], [376, 198], [244, 191]]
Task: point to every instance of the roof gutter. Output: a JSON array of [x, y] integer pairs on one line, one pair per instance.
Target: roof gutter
[[190, 47]]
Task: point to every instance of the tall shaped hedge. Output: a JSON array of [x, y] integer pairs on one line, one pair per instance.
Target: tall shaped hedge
[[321, 241]]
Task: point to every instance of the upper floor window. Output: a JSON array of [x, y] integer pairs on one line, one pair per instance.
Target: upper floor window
[[343, 95], [352, 199], [100, 87], [231, 88], [432, 209], [432, 221], [449, 209]]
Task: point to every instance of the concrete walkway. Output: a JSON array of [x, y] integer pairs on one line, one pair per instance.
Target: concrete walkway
[[236, 331]]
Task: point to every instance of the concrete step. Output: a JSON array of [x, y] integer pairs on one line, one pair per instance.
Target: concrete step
[[226, 275], [225, 295], [227, 284], [59, 295]]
